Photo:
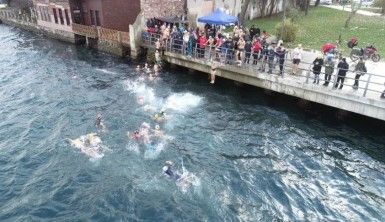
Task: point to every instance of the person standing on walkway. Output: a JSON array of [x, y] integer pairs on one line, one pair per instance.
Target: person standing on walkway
[[280, 51], [264, 55], [241, 50], [202, 41], [360, 71], [343, 68], [270, 58], [329, 68], [317, 66], [297, 56], [248, 51], [256, 50]]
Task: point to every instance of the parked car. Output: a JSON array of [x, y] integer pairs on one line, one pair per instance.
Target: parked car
[[326, 2], [367, 3]]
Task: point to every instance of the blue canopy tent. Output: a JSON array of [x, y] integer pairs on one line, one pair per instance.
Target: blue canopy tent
[[218, 18]]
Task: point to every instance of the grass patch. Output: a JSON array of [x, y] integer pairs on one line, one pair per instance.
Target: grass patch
[[324, 25]]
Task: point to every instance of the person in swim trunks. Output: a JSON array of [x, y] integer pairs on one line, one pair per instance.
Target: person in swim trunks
[[167, 171]]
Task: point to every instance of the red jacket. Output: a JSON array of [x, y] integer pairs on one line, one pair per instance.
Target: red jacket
[[257, 47], [202, 42]]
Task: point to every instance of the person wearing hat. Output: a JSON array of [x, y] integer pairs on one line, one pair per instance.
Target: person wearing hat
[[329, 68], [317, 66], [167, 171], [343, 68], [297, 56]]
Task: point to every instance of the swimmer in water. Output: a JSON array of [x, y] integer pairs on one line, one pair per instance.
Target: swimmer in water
[[151, 77], [146, 68], [140, 100], [158, 132], [144, 132], [159, 117], [167, 171], [135, 135], [99, 122], [156, 69]]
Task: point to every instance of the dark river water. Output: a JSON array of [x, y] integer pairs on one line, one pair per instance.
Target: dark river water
[[247, 155]]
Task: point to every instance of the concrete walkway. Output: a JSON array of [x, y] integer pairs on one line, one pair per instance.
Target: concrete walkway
[[348, 9], [376, 82]]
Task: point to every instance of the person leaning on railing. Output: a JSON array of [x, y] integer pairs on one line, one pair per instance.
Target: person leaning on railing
[[360, 71], [343, 68], [329, 68], [317, 66]]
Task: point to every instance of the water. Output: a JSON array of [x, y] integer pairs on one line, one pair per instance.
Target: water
[[254, 157]]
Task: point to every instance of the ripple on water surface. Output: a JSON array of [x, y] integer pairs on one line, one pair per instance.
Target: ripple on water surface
[[250, 160]]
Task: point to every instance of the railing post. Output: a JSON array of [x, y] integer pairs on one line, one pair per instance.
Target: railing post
[[119, 37], [98, 31], [308, 72], [367, 84]]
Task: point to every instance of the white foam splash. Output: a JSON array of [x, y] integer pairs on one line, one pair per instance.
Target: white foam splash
[[90, 144], [153, 152], [182, 101], [105, 71], [187, 180], [145, 95]]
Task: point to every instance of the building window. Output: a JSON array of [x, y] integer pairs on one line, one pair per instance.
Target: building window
[[67, 17], [97, 17], [41, 13], [92, 17], [55, 15], [47, 16], [61, 16]]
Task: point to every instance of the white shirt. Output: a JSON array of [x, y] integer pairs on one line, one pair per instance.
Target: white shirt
[[297, 53]]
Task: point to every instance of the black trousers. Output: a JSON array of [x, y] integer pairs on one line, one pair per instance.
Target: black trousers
[[327, 78], [340, 79], [357, 79], [281, 62]]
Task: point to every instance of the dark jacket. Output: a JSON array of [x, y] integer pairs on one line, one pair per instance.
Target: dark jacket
[[343, 68], [360, 68], [248, 47], [317, 65]]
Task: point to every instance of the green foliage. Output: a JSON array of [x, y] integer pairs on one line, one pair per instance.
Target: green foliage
[[290, 30], [294, 14], [378, 3], [324, 25]]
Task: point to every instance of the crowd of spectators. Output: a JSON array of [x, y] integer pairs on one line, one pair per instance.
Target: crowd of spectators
[[241, 46]]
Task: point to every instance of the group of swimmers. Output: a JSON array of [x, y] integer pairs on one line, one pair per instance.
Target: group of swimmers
[[152, 72], [91, 144]]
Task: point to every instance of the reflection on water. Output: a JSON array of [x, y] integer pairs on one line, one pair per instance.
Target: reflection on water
[[255, 157]]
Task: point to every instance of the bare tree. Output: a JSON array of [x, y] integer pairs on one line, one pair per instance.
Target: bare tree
[[244, 8], [355, 7], [316, 3], [307, 4]]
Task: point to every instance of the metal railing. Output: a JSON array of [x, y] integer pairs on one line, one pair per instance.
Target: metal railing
[[369, 84], [18, 15], [101, 33]]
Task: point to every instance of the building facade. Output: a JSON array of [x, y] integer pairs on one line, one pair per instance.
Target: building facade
[[163, 8], [112, 14], [55, 18]]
